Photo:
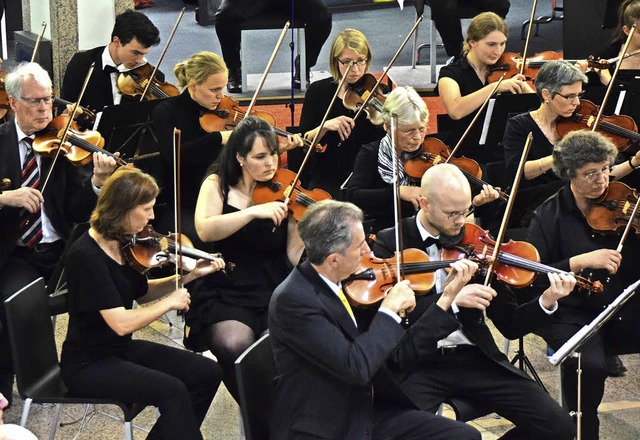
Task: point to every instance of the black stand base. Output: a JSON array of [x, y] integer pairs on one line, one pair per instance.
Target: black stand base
[[525, 364]]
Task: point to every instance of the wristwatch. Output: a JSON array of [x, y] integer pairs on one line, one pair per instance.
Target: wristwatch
[[631, 163]]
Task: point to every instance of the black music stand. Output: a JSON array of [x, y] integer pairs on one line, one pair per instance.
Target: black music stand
[[499, 110], [128, 128]]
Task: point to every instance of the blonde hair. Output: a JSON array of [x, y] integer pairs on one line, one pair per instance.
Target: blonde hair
[[352, 39], [481, 26], [198, 68]]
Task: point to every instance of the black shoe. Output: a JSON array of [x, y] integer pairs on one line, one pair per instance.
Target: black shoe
[[235, 80], [614, 366], [297, 84]]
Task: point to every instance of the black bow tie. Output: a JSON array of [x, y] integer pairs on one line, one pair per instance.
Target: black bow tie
[[430, 241], [111, 69]]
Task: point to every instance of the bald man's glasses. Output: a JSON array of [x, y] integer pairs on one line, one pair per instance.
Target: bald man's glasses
[[455, 214]]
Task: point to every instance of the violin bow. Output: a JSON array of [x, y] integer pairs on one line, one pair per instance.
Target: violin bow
[[177, 214], [475, 118], [396, 206], [526, 42], [386, 69], [316, 138], [267, 69], [72, 116], [37, 45], [509, 207], [164, 51], [613, 79], [629, 224]]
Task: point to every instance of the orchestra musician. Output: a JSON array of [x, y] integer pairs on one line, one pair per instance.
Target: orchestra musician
[[99, 357], [333, 381], [35, 221], [343, 137], [463, 86], [465, 360], [229, 311], [132, 37], [564, 239]]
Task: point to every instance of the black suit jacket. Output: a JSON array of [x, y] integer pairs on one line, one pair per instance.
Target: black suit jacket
[[328, 367], [511, 319], [98, 94], [68, 197]]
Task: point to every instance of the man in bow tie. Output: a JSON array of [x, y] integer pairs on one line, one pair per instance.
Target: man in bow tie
[[467, 362], [35, 220], [131, 40]]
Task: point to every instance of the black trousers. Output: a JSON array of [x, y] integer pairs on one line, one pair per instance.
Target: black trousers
[[393, 423], [181, 384], [469, 373], [231, 13], [446, 17], [615, 337]]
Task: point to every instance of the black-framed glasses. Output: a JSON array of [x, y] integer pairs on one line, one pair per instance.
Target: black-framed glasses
[[360, 62], [35, 102], [455, 214], [571, 96]]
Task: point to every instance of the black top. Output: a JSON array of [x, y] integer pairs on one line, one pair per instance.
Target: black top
[[199, 148], [372, 194], [462, 72], [96, 282], [559, 231], [260, 257], [515, 136], [330, 169]]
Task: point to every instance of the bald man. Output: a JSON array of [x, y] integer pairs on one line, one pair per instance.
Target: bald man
[[467, 363]]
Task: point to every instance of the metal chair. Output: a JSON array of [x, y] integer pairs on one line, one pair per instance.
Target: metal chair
[[35, 358]]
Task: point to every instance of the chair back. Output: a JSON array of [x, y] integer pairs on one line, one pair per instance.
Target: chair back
[[32, 338], [256, 371]]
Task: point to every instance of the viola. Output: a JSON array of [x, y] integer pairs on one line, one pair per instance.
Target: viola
[[149, 249], [357, 93], [510, 63], [612, 211], [620, 129], [434, 151], [134, 82], [518, 261], [375, 276], [279, 188], [77, 148]]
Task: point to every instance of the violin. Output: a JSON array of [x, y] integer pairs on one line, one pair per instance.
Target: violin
[[358, 93], [77, 148], [434, 151], [279, 188], [375, 276], [510, 63], [612, 211], [149, 249], [87, 118], [620, 129], [518, 261], [135, 81]]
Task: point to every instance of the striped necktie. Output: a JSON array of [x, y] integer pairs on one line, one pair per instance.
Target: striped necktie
[[345, 303], [30, 223]]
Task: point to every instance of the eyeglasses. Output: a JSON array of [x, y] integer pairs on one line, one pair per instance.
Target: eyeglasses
[[360, 62], [572, 96], [35, 102], [595, 175], [414, 131], [456, 214]]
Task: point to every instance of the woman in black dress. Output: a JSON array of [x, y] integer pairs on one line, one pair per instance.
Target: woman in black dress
[[99, 357], [229, 311]]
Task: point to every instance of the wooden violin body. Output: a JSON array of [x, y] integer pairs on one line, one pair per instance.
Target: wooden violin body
[[279, 189], [611, 213], [135, 81], [227, 115], [357, 93]]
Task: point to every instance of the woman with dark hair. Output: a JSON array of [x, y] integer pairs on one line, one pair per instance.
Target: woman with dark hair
[[463, 86], [560, 232], [99, 357], [229, 311]]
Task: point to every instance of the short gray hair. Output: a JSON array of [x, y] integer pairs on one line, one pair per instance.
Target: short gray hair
[[554, 75], [326, 228], [15, 80], [407, 105], [579, 148]]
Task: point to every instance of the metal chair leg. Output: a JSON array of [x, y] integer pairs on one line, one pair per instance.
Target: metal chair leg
[[25, 412], [56, 420]]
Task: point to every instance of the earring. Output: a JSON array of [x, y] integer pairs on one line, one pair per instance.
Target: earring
[[241, 164], [546, 102]]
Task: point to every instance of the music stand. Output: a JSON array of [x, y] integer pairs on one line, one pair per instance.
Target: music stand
[[499, 110], [128, 129]]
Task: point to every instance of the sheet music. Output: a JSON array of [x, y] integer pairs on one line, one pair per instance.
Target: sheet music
[[487, 121], [620, 101]]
